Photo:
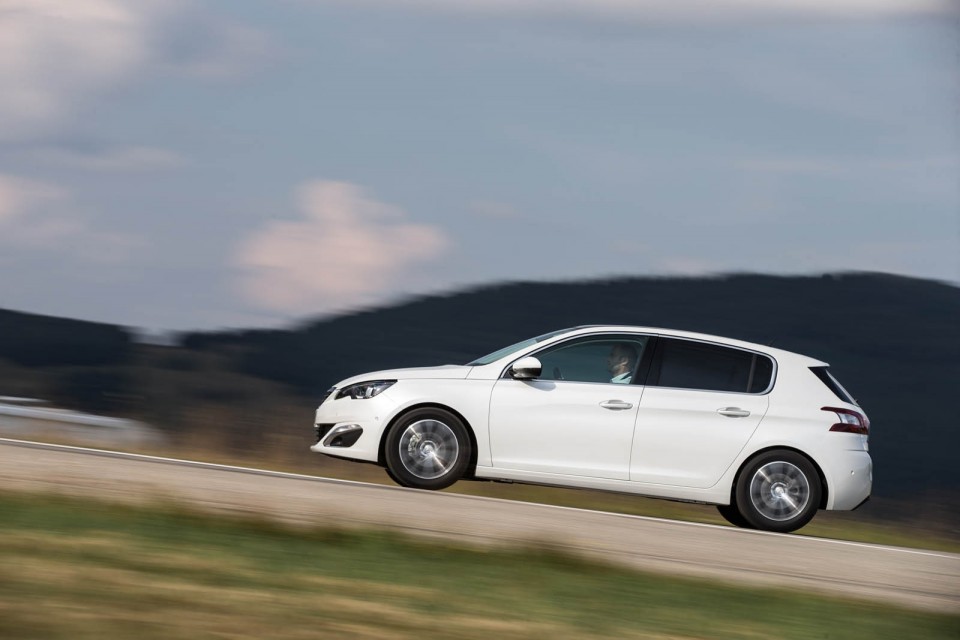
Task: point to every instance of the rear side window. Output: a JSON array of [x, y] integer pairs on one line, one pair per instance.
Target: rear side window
[[833, 384], [684, 364]]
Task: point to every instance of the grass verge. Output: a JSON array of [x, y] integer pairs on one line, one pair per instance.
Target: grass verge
[[83, 569]]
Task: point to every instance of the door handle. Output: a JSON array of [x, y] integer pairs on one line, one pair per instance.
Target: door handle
[[733, 412], [616, 405]]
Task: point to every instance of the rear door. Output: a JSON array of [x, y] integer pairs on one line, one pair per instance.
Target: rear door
[[701, 404]]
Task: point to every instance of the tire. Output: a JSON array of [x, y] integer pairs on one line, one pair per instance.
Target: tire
[[732, 514], [779, 491], [427, 449]]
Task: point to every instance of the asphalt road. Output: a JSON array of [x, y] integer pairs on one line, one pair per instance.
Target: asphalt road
[[907, 577]]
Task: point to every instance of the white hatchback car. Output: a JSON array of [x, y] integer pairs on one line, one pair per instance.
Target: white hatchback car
[[767, 435]]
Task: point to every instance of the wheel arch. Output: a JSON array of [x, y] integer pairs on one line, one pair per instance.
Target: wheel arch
[[381, 447], [824, 486]]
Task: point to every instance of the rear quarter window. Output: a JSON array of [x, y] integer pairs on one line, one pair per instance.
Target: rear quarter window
[[833, 384]]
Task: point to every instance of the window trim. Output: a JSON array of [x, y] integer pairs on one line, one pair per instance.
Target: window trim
[[653, 380], [642, 366]]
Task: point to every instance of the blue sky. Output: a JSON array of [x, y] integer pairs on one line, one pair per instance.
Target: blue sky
[[178, 165]]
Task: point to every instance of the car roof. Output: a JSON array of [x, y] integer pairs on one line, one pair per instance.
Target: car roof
[[779, 354]]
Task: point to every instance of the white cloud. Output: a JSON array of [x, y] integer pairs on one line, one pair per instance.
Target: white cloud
[[54, 55], [38, 216], [19, 195], [345, 250], [58, 56], [111, 159]]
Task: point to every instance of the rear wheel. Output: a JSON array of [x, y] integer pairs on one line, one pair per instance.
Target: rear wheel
[[427, 449], [778, 491]]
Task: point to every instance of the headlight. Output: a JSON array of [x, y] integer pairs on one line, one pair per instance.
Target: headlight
[[364, 390]]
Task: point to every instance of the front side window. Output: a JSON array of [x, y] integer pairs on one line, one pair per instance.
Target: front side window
[[611, 359], [686, 364]]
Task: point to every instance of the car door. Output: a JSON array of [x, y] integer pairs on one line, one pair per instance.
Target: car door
[[702, 403], [572, 420]]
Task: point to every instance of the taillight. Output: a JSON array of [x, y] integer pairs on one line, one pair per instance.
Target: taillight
[[850, 421]]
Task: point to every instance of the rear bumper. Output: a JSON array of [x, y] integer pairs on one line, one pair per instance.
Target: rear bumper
[[852, 482]]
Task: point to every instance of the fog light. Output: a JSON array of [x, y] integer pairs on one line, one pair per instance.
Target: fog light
[[346, 435]]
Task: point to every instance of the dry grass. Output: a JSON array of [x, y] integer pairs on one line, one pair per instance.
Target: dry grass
[[82, 569]]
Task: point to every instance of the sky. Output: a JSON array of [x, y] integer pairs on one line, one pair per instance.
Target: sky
[[174, 165]]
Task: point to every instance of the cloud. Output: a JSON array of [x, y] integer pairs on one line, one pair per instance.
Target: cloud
[[32, 218], [345, 250], [19, 195], [57, 57], [55, 54], [111, 159]]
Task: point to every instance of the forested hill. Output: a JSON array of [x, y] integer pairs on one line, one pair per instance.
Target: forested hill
[[859, 323], [893, 341]]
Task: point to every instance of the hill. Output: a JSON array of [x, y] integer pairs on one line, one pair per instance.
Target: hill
[[893, 341]]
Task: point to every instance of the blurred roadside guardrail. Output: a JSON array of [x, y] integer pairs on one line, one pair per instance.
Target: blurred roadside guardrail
[[34, 418]]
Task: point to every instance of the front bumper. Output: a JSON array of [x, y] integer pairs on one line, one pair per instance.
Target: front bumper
[[338, 435], [349, 428]]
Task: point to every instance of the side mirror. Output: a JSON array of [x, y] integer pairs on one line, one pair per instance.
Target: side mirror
[[526, 368]]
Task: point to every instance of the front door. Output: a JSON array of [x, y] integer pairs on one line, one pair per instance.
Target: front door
[[578, 417]]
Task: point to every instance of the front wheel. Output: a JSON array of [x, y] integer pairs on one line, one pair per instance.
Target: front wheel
[[778, 491], [427, 449]]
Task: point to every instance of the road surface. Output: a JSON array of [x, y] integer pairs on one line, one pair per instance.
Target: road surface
[[906, 577]]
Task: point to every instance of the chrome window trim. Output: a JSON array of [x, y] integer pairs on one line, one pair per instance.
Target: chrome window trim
[[601, 336], [770, 386]]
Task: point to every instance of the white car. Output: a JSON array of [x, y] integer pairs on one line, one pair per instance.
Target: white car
[[767, 435]]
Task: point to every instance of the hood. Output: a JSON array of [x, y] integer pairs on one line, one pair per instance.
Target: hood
[[443, 372]]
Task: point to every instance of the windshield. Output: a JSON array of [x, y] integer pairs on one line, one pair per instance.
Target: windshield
[[506, 351]]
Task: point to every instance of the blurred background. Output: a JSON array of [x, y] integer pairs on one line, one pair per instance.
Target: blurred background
[[210, 212], [248, 396]]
